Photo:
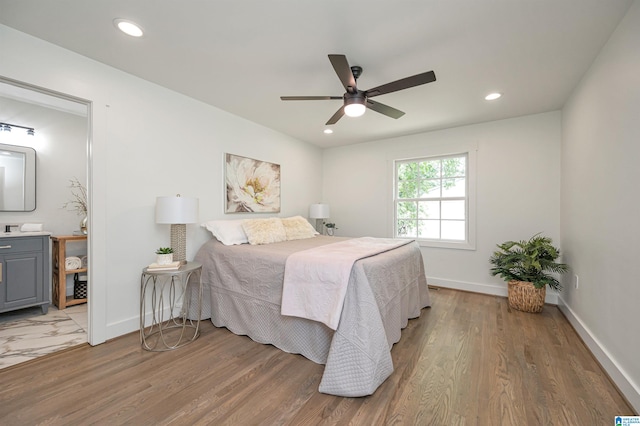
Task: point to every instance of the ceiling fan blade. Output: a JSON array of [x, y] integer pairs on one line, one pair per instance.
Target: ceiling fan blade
[[335, 117], [405, 83], [384, 109], [309, 98], [342, 68]]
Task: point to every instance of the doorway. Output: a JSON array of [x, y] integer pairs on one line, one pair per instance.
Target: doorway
[[61, 126]]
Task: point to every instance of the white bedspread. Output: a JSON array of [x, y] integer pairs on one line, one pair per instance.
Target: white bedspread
[[315, 280]]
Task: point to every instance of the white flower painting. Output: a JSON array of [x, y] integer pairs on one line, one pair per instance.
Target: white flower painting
[[252, 185]]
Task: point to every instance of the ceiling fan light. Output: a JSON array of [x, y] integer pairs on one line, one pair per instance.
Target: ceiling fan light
[[354, 110]]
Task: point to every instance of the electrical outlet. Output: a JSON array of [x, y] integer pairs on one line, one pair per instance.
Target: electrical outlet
[[576, 281]]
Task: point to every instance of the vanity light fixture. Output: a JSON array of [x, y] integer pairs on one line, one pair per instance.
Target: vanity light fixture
[[7, 127], [493, 96], [128, 27]]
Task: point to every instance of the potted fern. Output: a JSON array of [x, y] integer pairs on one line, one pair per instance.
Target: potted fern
[[528, 267]]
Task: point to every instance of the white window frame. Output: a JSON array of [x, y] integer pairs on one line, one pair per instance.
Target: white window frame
[[438, 152]]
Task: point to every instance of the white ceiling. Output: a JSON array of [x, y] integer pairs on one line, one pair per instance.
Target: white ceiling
[[241, 56]]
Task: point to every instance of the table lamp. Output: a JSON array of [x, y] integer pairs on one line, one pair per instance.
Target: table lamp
[[319, 212], [177, 211]]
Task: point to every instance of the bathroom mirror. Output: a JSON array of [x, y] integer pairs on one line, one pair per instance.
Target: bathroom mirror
[[17, 178]]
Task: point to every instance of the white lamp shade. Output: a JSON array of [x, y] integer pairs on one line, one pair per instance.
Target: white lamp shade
[[176, 210], [319, 211]]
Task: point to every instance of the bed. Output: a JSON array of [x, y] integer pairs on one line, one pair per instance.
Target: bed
[[243, 287]]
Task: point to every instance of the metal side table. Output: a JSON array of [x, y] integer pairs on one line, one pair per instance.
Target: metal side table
[[169, 329]]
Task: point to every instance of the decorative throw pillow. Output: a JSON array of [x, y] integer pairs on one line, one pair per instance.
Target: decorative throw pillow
[[264, 231], [228, 232], [298, 228]]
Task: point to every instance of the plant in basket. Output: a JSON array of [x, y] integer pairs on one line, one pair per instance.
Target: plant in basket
[[528, 267]]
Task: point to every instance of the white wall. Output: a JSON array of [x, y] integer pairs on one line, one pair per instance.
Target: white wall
[[148, 141], [600, 206], [518, 191], [60, 142]]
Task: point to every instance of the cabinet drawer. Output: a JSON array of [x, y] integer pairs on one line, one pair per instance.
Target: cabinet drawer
[[17, 245]]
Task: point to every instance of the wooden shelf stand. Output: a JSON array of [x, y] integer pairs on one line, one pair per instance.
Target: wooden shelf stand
[[59, 279]]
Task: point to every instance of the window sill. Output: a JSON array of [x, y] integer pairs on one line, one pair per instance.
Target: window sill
[[462, 245]]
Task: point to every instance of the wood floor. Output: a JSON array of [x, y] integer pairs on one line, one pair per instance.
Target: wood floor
[[469, 360]]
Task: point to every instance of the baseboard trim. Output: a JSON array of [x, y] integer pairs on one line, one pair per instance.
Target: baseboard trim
[[625, 385], [493, 289], [123, 327], [132, 324]]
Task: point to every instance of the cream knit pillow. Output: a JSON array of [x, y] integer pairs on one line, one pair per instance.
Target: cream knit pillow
[[298, 228], [264, 231]]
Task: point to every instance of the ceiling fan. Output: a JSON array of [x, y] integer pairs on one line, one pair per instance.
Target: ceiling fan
[[357, 101]]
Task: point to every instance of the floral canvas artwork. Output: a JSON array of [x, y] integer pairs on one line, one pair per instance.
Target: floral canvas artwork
[[252, 185]]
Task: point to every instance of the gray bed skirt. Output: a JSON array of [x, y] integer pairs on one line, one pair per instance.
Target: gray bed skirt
[[242, 288]]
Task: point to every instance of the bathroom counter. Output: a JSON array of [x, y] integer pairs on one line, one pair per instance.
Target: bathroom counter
[[24, 234]]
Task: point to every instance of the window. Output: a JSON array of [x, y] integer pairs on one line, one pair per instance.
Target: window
[[432, 200]]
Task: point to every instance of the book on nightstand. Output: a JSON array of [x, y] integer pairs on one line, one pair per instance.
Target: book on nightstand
[[168, 267]]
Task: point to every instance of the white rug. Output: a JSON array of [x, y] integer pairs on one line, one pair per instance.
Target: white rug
[[24, 339]]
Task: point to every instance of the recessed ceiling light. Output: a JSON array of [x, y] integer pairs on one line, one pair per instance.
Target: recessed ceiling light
[[328, 131], [493, 96], [128, 27]]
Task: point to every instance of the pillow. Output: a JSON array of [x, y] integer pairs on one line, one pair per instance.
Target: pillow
[[264, 231], [228, 232], [298, 228]]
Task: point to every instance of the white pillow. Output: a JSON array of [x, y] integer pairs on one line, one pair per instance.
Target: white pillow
[[228, 232], [264, 231], [298, 228]]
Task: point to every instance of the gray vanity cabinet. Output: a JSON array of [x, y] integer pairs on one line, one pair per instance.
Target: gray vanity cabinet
[[24, 261]]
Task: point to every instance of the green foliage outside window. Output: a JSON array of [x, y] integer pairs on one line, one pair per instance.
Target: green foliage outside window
[[421, 187]]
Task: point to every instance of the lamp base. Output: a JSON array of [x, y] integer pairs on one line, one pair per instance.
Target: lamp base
[[319, 226], [179, 242]]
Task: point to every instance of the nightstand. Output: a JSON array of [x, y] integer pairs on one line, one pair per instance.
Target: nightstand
[[167, 328]]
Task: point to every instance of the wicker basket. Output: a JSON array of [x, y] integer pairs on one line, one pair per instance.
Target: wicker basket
[[524, 296]]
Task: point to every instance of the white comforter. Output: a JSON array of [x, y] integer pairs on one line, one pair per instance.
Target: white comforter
[[315, 280]]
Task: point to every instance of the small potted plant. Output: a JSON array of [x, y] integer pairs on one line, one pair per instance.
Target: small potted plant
[[164, 255], [528, 266], [331, 228]]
